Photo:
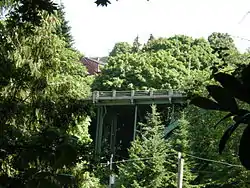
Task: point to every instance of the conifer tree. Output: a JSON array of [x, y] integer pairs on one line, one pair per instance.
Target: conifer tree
[[63, 29], [136, 45], [148, 154], [151, 37], [178, 142]]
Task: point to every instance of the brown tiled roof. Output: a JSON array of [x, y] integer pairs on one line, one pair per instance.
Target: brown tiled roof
[[93, 66]]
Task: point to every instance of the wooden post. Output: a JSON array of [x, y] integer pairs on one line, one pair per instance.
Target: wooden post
[[97, 95], [170, 93], [151, 93], [132, 96], [180, 170], [135, 122], [93, 96], [113, 93]]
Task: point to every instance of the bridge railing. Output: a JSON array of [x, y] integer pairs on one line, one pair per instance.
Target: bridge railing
[[139, 94]]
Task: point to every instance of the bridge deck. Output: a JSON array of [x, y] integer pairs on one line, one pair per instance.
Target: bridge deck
[[136, 97]]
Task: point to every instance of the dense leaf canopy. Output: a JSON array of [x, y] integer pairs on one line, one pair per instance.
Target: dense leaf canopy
[[44, 134], [177, 62], [43, 118]]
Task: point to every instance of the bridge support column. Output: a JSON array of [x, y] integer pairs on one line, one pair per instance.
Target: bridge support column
[[135, 122], [99, 131], [113, 131]]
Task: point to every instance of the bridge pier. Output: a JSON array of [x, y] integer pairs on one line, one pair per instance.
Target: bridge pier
[[113, 132], [106, 132], [101, 112], [105, 129], [135, 121]]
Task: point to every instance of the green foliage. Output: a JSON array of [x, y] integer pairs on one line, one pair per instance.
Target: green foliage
[[121, 48], [151, 37], [184, 63], [222, 44], [26, 11], [148, 144], [224, 48], [178, 62], [224, 99], [44, 125], [136, 45], [203, 142], [63, 29], [84, 178], [179, 141]]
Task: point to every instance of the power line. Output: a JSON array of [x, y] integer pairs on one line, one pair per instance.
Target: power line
[[209, 160], [130, 160], [241, 38], [244, 17], [205, 159], [187, 154], [214, 161]]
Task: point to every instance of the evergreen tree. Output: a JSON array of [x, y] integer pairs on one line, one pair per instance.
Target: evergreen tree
[[44, 140], [151, 145], [63, 29], [151, 37], [178, 141], [136, 45]]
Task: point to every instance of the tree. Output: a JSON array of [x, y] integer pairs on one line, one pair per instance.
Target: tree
[[194, 53], [103, 2], [121, 48], [221, 43], [224, 48], [136, 45], [151, 37], [63, 29], [200, 133], [28, 11], [179, 62], [224, 99], [149, 144], [178, 141], [43, 120]]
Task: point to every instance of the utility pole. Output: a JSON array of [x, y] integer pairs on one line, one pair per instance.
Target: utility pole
[[111, 176], [180, 171]]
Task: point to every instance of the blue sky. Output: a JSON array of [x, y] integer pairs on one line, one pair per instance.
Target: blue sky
[[97, 29]]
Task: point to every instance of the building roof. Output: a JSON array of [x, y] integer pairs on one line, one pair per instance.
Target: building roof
[[100, 60], [93, 65]]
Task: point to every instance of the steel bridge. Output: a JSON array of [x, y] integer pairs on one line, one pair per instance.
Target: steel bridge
[[105, 99]]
